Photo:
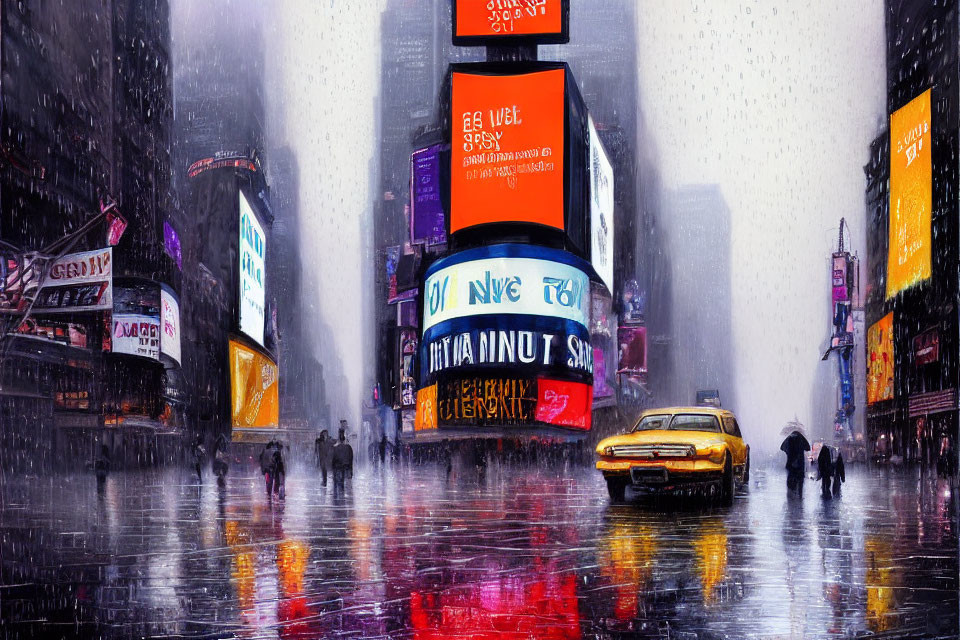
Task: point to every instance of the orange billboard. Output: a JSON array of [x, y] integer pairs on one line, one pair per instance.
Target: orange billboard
[[911, 195], [507, 150], [880, 360], [254, 389], [426, 416], [505, 18]]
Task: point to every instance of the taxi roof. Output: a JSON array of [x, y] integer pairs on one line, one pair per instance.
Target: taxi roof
[[709, 411]]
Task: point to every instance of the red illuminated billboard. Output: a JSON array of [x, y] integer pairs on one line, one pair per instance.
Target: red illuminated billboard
[[507, 151], [510, 22]]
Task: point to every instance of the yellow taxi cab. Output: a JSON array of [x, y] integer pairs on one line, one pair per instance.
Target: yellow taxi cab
[[677, 449]]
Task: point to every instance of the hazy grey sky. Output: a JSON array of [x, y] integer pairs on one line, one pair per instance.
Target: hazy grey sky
[[777, 102], [325, 60]]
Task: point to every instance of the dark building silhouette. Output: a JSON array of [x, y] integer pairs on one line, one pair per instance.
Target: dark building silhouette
[[699, 247], [87, 122], [922, 54]]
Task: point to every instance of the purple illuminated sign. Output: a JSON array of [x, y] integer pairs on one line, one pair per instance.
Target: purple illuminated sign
[[171, 244], [426, 211]]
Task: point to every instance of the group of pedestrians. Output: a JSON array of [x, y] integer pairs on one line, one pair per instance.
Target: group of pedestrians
[[830, 468], [336, 457]]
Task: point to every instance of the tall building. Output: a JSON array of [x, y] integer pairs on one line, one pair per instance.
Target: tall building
[[416, 41], [911, 287], [86, 129], [699, 246], [230, 254]]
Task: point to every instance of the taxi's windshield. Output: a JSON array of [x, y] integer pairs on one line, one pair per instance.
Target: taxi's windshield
[[679, 422]]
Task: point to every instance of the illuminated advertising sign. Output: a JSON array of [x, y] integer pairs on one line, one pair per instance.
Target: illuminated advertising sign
[[499, 22], [495, 342], [253, 248], [601, 209], [254, 389], [507, 149], [407, 353], [633, 350], [926, 348], [911, 195], [169, 324], [171, 244], [426, 416], [136, 335], [427, 218], [77, 282], [512, 401], [507, 279], [880, 360]]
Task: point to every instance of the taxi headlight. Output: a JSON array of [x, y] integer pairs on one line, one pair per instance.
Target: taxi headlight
[[713, 454], [608, 451]]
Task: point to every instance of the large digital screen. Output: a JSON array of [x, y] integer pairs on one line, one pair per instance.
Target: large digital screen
[[880, 360], [507, 279], [252, 255], [490, 21], [911, 195], [507, 149], [254, 389], [601, 209]]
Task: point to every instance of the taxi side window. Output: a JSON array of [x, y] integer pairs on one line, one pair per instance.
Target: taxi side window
[[730, 427]]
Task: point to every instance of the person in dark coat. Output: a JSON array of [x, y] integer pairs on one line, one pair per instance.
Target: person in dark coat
[[102, 466], [825, 469], [266, 466], [795, 445], [342, 460], [323, 447], [199, 457], [839, 474], [279, 471]]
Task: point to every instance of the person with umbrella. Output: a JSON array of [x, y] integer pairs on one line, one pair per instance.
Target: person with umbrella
[[795, 445]]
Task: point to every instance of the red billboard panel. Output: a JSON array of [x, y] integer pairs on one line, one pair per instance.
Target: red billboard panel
[[507, 151], [565, 404], [480, 22]]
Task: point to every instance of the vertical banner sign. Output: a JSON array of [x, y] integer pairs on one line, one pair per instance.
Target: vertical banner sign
[[171, 244], [839, 278], [427, 222], [169, 324], [911, 195], [633, 350], [601, 209], [253, 248], [507, 149], [254, 389], [880, 360]]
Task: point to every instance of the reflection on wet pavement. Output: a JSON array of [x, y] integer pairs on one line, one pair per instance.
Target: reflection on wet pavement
[[515, 554]]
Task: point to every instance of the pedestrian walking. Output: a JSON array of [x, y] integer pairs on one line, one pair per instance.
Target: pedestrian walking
[[795, 445], [101, 466], [839, 474], [342, 459], [266, 466], [825, 470], [279, 472], [199, 456], [323, 448], [220, 465]]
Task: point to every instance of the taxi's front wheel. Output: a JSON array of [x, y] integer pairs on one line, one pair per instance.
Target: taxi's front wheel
[[616, 487], [728, 488]]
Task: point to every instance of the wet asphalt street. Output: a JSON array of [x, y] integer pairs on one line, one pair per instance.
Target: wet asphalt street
[[411, 553]]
